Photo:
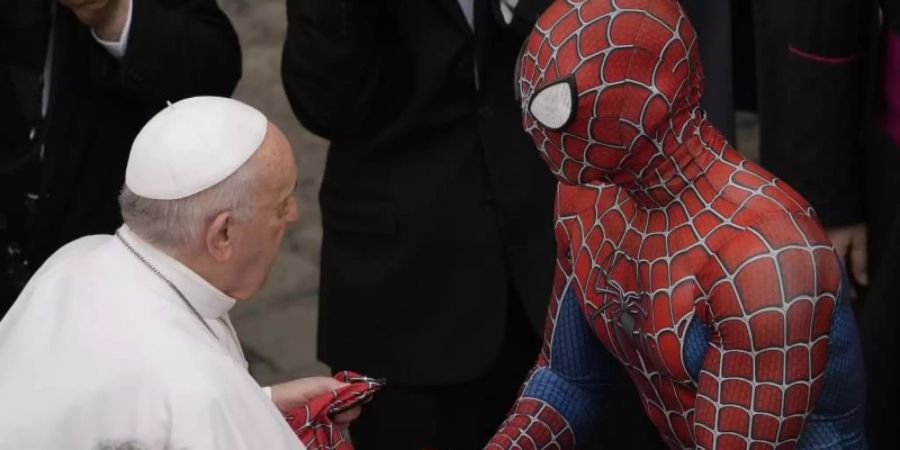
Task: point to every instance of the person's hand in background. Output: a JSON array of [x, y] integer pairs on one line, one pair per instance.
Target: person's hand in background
[[850, 244], [106, 17]]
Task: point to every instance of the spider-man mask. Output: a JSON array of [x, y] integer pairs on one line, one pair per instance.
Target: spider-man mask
[[608, 87]]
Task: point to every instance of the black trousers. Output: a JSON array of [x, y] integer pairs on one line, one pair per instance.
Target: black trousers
[[878, 329], [879, 314], [465, 416], [451, 417]]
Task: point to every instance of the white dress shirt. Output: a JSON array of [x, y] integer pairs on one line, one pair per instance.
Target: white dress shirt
[[507, 7], [117, 48]]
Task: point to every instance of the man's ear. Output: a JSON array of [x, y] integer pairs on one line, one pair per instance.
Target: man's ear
[[220, 236]]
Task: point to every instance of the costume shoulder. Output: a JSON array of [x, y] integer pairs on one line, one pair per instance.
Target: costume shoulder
[[768, 193]]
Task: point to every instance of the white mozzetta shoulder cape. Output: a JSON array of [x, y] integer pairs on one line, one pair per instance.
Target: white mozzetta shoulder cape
[[99, 353]]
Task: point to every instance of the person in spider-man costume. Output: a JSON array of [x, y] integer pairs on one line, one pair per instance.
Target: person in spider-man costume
[[710, 281]]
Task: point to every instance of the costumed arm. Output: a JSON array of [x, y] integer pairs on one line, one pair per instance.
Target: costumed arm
[[331, 62], [559, 403], [771, 295]]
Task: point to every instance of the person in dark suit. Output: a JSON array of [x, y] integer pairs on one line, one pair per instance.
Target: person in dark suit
[[78, 78], [437, 256], [830, 126], [438, 248], [715, 33]]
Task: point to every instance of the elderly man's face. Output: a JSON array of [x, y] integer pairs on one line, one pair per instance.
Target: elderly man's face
[[276, 207]]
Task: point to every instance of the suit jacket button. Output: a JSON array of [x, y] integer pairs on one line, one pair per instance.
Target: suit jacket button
[[486, 112]]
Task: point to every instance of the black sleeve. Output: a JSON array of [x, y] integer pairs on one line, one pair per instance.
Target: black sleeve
[[829, 55], [178, 49], [331, 63]]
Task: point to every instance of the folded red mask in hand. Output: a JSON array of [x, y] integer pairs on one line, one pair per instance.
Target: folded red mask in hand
[[314, 422]]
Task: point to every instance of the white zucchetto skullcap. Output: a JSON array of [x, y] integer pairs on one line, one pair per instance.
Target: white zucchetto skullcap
[[192, 145]]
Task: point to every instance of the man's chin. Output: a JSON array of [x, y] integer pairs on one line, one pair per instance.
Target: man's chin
[[247, 294], [257, 288]]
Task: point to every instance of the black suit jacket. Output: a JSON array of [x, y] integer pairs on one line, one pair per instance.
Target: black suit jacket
[[97, 105], [434, 202], [820, 100], [820, 131]]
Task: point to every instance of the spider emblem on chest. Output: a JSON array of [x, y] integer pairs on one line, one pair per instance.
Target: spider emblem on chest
[[620, 304]]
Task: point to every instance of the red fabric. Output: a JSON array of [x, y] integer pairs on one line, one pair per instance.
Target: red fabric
[[660, 222], [313, 421]]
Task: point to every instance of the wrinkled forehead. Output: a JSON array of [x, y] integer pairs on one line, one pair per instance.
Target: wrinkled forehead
[[275, 164]]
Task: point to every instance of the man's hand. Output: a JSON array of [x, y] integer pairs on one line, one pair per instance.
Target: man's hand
[[106, 17], [292, 394], [850, 244]]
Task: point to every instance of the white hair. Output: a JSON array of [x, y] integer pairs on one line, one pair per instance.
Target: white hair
[[175, 223]]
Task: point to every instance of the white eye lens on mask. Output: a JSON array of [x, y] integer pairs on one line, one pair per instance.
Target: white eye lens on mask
[[554, 105]]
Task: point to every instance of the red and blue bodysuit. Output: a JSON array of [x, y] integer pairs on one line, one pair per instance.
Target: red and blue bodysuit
[[709, 280]]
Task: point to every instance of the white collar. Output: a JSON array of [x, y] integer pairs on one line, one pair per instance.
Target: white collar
[[210, 302]]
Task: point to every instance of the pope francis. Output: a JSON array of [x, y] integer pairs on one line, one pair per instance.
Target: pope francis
[[124, 341]]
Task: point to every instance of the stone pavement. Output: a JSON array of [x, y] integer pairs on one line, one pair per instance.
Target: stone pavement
[[277, 328]]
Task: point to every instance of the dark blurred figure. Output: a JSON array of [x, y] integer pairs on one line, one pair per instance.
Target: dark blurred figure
[[78, 78], [824, 76], [726, 32], [830, 126], [880, 315], [713, 21], [438, 248]]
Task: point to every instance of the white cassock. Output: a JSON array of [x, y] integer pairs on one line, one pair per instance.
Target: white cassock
[[100, 353]]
